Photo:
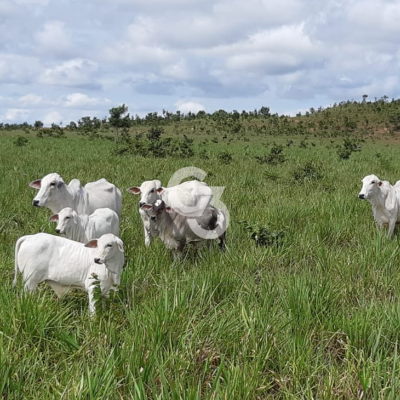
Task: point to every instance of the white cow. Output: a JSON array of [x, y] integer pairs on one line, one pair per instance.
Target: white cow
[[65, 264], [188, 198], [82, 228], [385, 201], [149, 195], [176, 230], [56, 195]]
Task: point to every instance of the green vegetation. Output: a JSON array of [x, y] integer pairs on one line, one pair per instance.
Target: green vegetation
[[305, 303]]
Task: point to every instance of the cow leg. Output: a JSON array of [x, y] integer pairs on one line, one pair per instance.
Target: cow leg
[[222, 242], [30, 285], [147, 237], [392, 225]]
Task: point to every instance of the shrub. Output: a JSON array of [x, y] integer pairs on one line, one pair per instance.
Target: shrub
[[21, 141], [309, 172], [347, 148], [263, 236], [275, 157], [225, 157]]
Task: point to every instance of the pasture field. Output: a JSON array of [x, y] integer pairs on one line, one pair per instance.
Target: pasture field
[[316, 316]]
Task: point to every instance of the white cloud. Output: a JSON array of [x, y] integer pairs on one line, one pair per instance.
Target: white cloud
[[32, 2], [30, 100], [16, 115], [53, 39], [186, 106], [52, 117], [18, 69], [83, 101], [76, 73], [69, 57]]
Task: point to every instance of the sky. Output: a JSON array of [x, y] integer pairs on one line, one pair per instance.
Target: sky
[[61, 60]]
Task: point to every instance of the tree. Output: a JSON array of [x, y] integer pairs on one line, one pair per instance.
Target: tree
[[38, 125], [119, 119]]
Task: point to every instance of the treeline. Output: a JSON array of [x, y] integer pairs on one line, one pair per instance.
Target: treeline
[[361, 117]]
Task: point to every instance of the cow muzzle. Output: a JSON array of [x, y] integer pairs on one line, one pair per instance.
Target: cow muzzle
[[35, 203], [361, 196], [98, 261]]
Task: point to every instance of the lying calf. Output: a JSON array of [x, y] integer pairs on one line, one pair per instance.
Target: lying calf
[[65, 264], [82, 228], [176, 230]]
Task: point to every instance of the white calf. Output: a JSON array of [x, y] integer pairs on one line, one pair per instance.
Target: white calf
[[149, 195], [65, 264], [82, 228], [385, 200]]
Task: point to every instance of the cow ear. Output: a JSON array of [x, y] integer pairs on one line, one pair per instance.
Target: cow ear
[[59, 184], [36, 184], [146, 207], [120, 246], [91, 243], [54, 218], [169, 209], [134, 190], [160, 190], [380, 183]]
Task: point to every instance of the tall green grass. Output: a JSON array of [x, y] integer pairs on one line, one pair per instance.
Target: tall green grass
[[315, 318]]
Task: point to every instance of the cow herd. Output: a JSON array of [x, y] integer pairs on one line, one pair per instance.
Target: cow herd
[[87, 217], [88, 221]]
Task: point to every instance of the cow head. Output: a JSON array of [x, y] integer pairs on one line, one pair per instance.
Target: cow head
[[109, 251], [370, 187], [148, 191], [65, 219], [50, 189]]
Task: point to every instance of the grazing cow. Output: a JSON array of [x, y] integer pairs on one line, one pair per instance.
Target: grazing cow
[[188, 198], [149, 195], [56, 195], [176, 230], [82, 228], [65, 264], [385, 200]]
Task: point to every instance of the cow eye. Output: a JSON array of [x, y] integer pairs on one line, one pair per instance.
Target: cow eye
[[67, 217], [152, 191], [373, 182], [52, 184], [109, 245]]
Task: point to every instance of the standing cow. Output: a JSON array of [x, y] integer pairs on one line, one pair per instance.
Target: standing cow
[[65, 264], [188, 198], [149, 195], [82, 228], [56, 195], [385, 201], [176, 230]]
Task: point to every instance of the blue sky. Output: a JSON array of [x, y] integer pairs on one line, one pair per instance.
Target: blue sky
[[61, 60]]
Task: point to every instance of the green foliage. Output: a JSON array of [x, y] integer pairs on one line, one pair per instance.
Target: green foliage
[[347, 148], [263, 236], [310, 171], [225, 157], [275, 157], [21, 141]]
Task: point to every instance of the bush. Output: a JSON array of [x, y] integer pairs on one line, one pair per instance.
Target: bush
[[263, 236], [275, 157], [21, 141], [347, 148], [309, 172], [225, 157]]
